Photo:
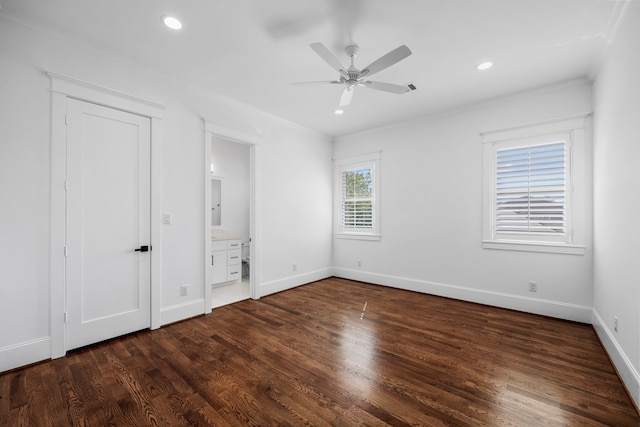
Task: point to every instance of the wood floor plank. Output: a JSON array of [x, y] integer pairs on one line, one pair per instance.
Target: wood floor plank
[[332, 353]]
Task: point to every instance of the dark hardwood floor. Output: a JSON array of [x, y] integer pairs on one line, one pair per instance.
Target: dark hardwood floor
[[334, 352]]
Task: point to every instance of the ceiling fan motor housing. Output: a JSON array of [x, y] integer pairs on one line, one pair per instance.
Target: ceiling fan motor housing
[[352, 76]]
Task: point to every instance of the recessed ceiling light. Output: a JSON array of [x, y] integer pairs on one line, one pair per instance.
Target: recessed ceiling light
[[338, 112], [485, 65], [172, 22]]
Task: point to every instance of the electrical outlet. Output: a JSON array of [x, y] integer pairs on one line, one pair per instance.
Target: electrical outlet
[[166, 218], [533, 286], [184, 290], [615, 323], [295, 267]]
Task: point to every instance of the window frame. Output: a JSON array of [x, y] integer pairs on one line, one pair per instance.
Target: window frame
[[573, 129], [371, 161]]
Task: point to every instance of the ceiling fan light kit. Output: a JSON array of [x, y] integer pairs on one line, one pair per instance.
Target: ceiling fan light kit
[[172, 22], [352, 77]]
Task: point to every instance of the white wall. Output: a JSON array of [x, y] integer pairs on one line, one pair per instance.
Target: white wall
[[296, 212], [431, 219], [25, 139], [617, 200], [24, 205]]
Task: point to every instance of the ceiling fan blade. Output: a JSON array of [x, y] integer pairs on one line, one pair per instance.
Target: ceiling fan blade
[[386, 87], [396, 55], [322, 82], [329, 58], [345, 99]]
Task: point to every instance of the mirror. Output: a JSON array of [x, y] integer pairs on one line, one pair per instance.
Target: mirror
[[216, 201]]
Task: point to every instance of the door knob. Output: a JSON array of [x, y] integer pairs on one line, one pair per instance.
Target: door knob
[[143, 249]]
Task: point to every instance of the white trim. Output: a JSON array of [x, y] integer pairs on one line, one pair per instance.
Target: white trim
[[230, 134], [557, 248], [57, 225], [357, 236], [79, 89], [280, 285], [63, 87], [557, 309], [156, 221], [207, 221], [626, 371], [360, 158], [255, 213], [557, 125], [25, 353], [181, 311]]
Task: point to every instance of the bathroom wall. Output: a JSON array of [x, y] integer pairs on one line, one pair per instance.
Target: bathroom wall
[[231, 162]]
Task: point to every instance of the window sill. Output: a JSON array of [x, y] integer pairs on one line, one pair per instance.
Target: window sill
[[357, 236], [554, 248]]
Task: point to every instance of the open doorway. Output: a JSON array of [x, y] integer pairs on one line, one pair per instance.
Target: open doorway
[[231, 232], [230, 221]]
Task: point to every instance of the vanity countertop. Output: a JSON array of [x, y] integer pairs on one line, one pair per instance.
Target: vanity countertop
[[221, 234]]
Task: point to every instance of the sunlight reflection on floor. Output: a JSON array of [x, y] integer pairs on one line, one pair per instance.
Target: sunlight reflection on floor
[[357, 352]]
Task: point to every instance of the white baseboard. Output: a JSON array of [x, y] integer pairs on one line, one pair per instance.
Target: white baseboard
[[280, 285], [623, 365], [182, 311], [544, 307], [25, 353]]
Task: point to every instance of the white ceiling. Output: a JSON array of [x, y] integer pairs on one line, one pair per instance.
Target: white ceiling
[[252, 50]]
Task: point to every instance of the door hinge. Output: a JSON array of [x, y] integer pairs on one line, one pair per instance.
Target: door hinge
[[66, 120], [65, 317], [66, 185], [66, 251]]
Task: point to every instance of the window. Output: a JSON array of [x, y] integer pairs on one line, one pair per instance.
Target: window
[[529, 182], [357, 204], [357, 198], [530, 193]]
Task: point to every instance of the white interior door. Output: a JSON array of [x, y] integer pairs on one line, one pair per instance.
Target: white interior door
[[108, 286]]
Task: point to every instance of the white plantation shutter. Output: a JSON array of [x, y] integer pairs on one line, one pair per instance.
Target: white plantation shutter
[[357, 199], [531, 189]]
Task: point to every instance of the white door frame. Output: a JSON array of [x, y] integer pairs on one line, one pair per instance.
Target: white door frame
[[254, 141], [63, 87]]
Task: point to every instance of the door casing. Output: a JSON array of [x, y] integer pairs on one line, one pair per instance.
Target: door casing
[[62, 88]]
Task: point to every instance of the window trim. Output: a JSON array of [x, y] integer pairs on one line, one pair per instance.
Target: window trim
[[574, 236], [340, 165]]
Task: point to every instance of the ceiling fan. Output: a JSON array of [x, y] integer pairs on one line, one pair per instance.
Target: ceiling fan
[[352, 76]]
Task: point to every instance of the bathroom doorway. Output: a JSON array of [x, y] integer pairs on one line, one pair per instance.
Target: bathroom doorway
[[230, 194], [230, 213]]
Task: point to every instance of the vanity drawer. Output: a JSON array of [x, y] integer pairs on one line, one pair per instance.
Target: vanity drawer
[[234, 256], [234, 244], [234, 272]]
